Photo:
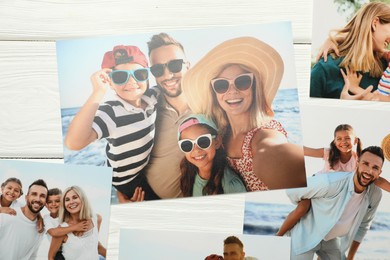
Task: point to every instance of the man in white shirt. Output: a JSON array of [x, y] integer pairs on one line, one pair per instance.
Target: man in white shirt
[[19, 237]]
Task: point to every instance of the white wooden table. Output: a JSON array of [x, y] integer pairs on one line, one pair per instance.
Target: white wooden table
[[30, 127]]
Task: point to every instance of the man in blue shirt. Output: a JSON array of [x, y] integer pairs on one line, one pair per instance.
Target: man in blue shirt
[[343, 205]]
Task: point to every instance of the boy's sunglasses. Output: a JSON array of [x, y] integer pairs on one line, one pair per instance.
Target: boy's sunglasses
[[241, 82], [203, 142], [174, 66], [120, 77]]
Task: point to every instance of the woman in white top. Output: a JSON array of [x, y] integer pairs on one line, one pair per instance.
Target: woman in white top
[[74, 209]]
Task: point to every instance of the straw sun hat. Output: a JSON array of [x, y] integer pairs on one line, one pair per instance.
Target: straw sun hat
[[263, 60], [386, 147]]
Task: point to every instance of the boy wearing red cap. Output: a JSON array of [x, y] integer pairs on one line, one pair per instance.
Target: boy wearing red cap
[[127, 122]]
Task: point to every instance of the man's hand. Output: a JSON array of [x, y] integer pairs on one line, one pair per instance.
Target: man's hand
[[40, 224]]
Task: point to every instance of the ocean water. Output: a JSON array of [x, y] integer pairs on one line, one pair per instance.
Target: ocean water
[[285, 106], [265, 219]]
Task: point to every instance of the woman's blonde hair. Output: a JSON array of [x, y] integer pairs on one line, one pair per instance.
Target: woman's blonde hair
[[260, 110], [356, 39], [86, 210]]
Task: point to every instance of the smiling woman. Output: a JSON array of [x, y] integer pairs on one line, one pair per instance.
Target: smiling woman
[[75, 209], [235, 84]]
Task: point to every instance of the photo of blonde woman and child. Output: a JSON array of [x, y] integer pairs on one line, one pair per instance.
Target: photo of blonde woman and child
[[354, 45], [180, 114], [53, 211], [343, 212]]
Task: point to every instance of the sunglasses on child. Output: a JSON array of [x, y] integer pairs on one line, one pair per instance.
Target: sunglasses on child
[[203, 142], [174, 66], [120, 77], [241, 82]]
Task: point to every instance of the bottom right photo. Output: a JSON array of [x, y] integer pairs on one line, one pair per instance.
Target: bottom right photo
[[343, 212], [179, 245]]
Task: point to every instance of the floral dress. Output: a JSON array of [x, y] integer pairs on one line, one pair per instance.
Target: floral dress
[[244, 165]]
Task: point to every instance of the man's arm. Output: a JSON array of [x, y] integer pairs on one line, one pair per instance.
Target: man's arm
[[317, 186], [375, 198]]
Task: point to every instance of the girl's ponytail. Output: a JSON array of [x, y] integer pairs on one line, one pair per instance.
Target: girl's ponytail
[[359, 146], [334, 155]]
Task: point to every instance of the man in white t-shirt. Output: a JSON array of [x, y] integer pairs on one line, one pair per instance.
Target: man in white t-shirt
[[19, 237], [343, 206]]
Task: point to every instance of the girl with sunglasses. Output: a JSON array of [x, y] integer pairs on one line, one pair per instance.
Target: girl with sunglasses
[[204, 169], [235, 84], [127, 122]]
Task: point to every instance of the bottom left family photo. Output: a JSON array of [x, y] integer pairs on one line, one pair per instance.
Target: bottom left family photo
[[53, 211]]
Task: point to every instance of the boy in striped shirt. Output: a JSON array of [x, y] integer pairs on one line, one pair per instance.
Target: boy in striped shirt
[[127, 122]]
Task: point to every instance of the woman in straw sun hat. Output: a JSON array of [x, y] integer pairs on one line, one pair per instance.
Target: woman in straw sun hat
[[234, 85]]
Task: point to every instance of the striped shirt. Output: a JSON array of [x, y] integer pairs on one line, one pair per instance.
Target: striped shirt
[[129, 132], [384, 83]]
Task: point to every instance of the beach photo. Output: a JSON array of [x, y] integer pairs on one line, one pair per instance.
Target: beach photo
[[265, 213], [194, 245], [64, 202], [350, 51], [129, 103]]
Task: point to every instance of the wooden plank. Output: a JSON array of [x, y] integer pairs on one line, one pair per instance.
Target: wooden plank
[[52, 20], [216, 214]]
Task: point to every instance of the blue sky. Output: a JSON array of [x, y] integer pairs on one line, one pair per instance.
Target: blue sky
[[78, 59]]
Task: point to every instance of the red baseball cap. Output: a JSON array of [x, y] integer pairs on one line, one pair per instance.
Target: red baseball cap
[[124, 54]]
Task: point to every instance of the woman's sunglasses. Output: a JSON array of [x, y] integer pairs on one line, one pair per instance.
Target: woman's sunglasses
[[241, 82], [174, 66], [120, 77], [203, 142]]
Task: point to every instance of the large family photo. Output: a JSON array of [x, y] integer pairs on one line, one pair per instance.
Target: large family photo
[[53, 211], [179, 117]]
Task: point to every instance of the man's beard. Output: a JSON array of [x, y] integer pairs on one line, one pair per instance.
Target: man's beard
[[360, 177], [32, 209], [172, 94]]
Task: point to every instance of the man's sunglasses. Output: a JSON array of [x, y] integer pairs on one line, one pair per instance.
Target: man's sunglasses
[[120, 77], [241, 82], [174, 66], [203, 142]]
